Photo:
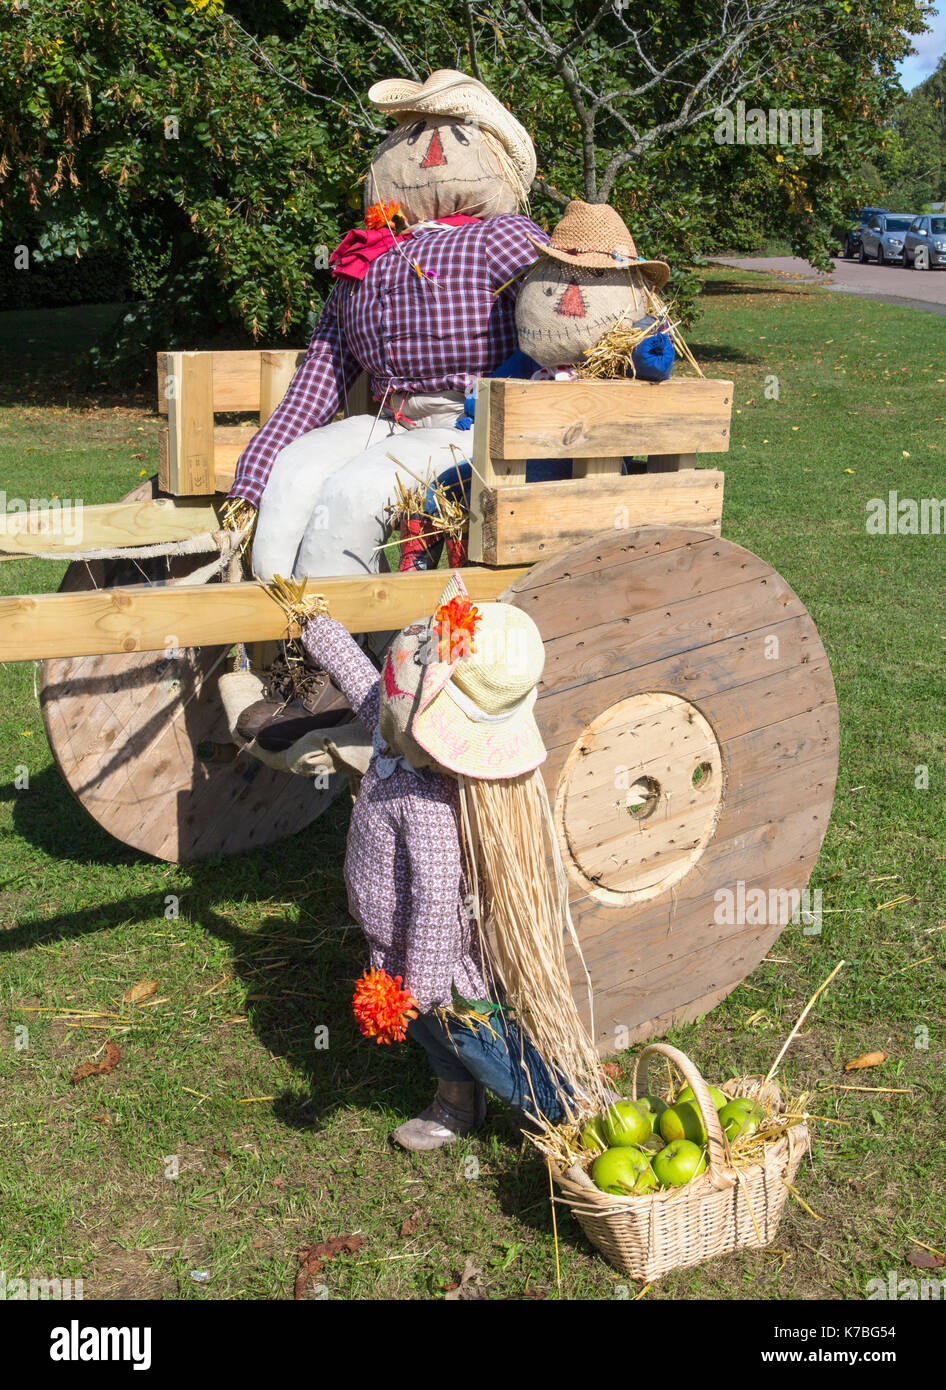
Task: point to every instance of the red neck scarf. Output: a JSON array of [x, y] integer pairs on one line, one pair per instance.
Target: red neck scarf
[[360, 247]]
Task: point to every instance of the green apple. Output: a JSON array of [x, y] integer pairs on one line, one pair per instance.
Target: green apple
[[741, 1116], [655, 1107], [683, 1121], [716, 1096], [678, 1163], [592, 1136], [625, 1123], [623, 1170], [654, 1144]]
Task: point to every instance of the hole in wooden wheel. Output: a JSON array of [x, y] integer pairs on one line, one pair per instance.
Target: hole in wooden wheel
[[625, 846], [643, 798]]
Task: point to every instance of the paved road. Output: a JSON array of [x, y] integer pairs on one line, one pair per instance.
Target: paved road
[[919, 289]]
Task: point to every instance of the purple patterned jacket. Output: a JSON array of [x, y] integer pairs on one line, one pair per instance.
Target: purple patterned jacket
[[404, 866], [410, 334]]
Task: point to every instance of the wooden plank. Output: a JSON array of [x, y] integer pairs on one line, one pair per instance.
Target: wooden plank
[[189, 464], [358, 397], [584, 419], [236, 377], [525, 523], [488, 471], [105, 527], [669, 463], [276, 372], [141, 617], [595, 467]]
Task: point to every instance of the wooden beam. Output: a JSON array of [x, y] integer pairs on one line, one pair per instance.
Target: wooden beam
[[236, 377], [105, 527], [587, 419], [143, 617], [489, 470], [276, 371], [669, 463], [187, 469], [533, 521]]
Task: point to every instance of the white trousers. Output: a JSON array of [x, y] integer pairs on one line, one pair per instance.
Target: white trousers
[[322, 510]]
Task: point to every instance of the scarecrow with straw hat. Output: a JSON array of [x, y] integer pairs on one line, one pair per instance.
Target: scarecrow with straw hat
[[452, 865], [423, 302]]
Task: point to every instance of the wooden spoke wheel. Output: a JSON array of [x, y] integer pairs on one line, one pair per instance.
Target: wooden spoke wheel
[[142, 742], [690, 718]]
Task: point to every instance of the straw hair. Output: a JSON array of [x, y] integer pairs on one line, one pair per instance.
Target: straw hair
[[520, 899]]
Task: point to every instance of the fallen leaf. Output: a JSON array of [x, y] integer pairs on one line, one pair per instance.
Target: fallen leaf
[[112, 1058], [922, 1259], [611, 1069], [410, 1224], [467, 1288], [279, 1182], [312, 1258], [867, 1059], [142, 990], [102, 1118]]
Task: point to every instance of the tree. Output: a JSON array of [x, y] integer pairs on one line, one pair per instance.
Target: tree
[[221, 146]]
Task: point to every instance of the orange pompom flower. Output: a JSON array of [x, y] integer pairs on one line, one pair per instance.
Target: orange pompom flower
[[455, 624], [383, 215], [382, 1008]]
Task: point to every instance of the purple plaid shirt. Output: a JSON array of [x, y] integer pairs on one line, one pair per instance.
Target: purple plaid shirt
[[409, 334]]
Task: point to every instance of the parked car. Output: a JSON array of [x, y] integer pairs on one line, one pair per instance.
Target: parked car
[[927, 231], [852, 237], [883, 237]]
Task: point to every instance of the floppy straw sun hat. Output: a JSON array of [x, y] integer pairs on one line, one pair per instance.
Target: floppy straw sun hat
[[595, 235], [467, 700], [449, 93]]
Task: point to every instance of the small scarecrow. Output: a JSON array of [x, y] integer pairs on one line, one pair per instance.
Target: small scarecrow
[[448, 866]]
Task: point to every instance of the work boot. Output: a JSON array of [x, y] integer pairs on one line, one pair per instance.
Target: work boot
[[458, 1107], [420, 549]]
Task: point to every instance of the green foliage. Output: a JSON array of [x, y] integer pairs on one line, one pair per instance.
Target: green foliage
[[914, 162], [220, 147]]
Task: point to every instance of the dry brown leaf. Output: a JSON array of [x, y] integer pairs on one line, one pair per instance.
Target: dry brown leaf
[[142, 990], [867, 1059], [467, 1288], [102, 1118], [312, 1258], [110, 1062], [611, 1069], [410, 1224], [922, 1259]]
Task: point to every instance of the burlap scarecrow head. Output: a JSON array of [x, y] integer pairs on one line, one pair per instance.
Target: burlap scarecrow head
[[455, 149], [587, 277]]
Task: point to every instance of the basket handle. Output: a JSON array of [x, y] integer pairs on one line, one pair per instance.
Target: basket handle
[[721, 1173]]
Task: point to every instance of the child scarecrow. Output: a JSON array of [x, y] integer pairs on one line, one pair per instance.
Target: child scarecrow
[[447, 866], [587, 281], [423, 302]]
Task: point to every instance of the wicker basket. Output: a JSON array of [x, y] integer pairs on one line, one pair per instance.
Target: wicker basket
[[721, 1210]]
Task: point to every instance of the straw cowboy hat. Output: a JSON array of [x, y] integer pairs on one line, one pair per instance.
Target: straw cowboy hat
[[471, 711], [449, 93], [594, 235]]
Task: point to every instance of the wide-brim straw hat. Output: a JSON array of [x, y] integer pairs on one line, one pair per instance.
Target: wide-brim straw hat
[[447, 92], [595, 235], [472, 712]]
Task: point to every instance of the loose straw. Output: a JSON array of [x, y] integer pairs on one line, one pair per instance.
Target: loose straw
[[804, 1014]]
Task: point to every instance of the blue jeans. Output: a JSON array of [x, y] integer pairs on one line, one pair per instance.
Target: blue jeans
[[457, 1052]]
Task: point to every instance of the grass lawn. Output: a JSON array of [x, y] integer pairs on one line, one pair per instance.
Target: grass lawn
[[227, 1137]]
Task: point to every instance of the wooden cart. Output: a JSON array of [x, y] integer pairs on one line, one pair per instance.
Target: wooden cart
[[687, 702]]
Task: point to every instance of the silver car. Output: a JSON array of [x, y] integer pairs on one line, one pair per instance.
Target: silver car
[[883, 237], [926, 235]]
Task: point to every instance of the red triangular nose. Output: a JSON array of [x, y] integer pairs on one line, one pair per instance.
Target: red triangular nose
[[571, 305], [435, 154]]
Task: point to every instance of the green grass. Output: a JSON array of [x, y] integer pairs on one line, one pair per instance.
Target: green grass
[[280, 1143]]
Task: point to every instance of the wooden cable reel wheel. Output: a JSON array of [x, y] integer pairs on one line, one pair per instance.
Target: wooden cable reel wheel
[[690, 718], [142, 742]]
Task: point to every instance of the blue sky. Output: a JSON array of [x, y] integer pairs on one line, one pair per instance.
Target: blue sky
[[929, 49]]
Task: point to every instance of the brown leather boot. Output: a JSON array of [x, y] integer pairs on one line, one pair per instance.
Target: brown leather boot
[[458, 1107]]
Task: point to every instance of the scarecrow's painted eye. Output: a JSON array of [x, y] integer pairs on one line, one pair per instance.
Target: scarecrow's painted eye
[[461, 135], [417, 132], [550, 289]]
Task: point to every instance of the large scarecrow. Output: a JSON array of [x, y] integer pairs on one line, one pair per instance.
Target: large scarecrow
[[423, 301]]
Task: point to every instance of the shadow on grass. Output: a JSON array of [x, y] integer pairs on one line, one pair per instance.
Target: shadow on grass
[[287, 1006]]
